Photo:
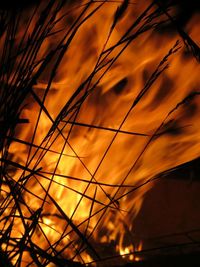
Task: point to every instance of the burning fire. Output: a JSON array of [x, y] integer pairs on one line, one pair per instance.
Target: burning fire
[[112, 103]]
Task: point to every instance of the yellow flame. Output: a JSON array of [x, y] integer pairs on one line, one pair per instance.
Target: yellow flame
[[69, 166]]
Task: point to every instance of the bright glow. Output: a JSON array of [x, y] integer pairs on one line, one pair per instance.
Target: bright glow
[[86, 174]]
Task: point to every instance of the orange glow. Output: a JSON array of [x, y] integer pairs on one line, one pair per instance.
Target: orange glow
[[88, 166]]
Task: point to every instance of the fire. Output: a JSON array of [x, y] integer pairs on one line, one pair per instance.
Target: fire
[[129, 252], [115, 106]]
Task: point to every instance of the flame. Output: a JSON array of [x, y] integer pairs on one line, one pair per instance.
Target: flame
[[92, 170], [130, 252]]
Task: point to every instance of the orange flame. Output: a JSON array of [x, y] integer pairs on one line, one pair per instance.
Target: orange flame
[[93, 168]]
